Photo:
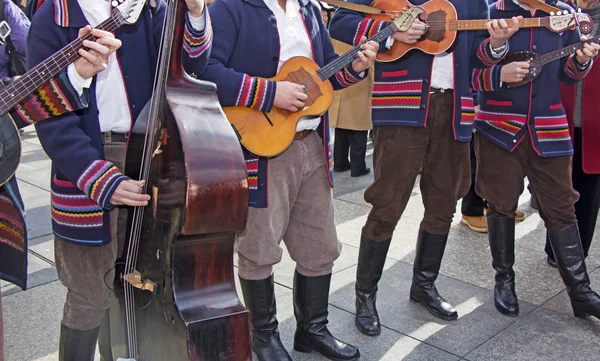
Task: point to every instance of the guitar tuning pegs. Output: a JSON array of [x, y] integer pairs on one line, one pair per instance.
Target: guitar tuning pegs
[[559, 13], [114, 3], [579, 10], [552, 13]]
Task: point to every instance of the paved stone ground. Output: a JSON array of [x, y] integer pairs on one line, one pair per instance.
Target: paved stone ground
[[545, 330]]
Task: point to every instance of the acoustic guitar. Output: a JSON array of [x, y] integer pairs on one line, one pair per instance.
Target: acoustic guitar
[[538, 61], [10, 141], [443, 25], [269, 134]]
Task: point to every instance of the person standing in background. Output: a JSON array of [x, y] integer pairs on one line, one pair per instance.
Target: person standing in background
[[582, 106], [350, 115]]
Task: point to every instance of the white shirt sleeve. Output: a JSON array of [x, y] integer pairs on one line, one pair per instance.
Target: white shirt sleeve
[[389, 42], [198, 23], [76, 80]]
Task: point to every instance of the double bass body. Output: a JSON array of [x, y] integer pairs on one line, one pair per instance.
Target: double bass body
[[184, 306]]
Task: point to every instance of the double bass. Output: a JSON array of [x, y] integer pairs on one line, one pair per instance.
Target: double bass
[[174, 291]]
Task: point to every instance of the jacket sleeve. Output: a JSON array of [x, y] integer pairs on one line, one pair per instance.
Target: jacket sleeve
[[486, 79], [64, 140], [570, 70], [346, 76], [54, 98], [19, 26], [235, 88], [350, 26], [196, 46], [482, 55]]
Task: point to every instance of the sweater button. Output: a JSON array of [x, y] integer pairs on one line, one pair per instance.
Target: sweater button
[[514, 140], [534, 47], [422, 106], [274, 58]]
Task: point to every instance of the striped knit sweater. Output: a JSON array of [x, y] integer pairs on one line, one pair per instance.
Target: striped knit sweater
[[82, 181], [506, 116]]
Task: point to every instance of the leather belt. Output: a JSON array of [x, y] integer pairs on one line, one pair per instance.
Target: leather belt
[[112, 137], [438, 90], [303, 134]]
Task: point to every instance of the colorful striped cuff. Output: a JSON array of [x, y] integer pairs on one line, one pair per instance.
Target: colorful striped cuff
[[487, 79], [195, 42], [56, 97], [484, 53], [367, 28], [99, 181], [256, 93], [347, 76], [576, 71]]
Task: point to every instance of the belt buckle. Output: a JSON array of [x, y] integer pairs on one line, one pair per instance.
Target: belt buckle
[[4, 31]]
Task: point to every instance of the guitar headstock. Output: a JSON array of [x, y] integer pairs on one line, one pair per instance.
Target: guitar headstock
[[565, 21], [129, 9], [407, 17]]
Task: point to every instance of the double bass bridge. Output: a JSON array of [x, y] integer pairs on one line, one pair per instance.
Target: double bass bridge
[[135, 280]]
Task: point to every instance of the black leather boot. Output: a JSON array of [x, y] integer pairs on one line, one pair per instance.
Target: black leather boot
[[501, 234], [77, 345], [259, 297], [428, 259], [570, 261], [371, 258], [104, 341], [311, 297]]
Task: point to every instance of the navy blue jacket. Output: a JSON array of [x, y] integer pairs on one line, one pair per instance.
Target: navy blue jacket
[[506, 116], [402, 87], [82, 181], [246, 53]]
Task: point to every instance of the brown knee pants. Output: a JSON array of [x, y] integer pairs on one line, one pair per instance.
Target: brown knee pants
[[299, 212], [500, 175], [88, 272], [399, 155]]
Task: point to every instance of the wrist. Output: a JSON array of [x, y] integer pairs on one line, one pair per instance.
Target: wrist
[[582, 62], [495, 43]]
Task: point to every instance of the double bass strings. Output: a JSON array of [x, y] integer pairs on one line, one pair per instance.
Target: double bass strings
[[160, 80]]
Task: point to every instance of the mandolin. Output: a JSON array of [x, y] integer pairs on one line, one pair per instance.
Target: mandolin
[[443, 25], [11, 95], [269, 134], [538, 61]]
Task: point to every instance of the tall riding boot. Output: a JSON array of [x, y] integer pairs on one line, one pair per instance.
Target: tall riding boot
[[311, 297], [77, 345], [428, 259], [570, 261], [104, 341], [259, 297], [371, 258], [501, 233]]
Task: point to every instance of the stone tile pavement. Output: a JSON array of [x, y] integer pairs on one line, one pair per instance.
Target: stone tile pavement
[[545, 330]]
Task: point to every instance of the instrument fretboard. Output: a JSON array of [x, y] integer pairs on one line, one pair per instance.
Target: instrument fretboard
[[19, 89]]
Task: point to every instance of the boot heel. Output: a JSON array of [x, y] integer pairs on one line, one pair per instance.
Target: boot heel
[[302, 348]]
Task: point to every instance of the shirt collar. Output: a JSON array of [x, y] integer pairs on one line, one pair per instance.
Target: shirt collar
[[68, 14]]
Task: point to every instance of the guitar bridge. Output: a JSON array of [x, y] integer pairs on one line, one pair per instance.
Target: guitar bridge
[[135, 279]]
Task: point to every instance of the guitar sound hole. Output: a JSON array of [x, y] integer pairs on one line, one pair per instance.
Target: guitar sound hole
[[311, 87], [437, 26]]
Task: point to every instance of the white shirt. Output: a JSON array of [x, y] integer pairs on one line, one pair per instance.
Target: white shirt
[[111, 96], [294, 41], [442, 72]]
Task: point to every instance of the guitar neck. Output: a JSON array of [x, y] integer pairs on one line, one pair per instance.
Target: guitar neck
[[19, 89], [460, 25], [332, 68], [563, 53]]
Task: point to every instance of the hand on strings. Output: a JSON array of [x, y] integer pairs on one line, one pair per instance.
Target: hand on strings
[[129, 193], [414, 33], [289, 96], [95, 58], [366, 57], [589, 52], [500, 31], [514, 72], [195, 7]]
